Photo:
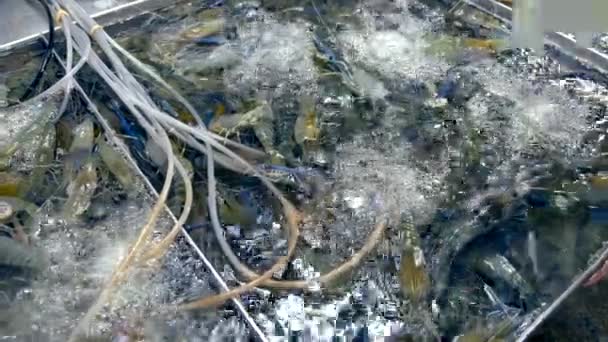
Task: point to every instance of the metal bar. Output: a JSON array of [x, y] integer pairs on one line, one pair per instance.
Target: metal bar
[[557, 302], [587, 57], [111, 135], [493, 8], [111, 16]]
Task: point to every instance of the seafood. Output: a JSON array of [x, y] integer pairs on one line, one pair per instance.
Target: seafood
[[81, 147], [532, 250], [237, 209], [81, 187], [83, 137], [305, 180], [260, 119], [21, 125], [415, 281], [363, 106], [204, 29], [221, 58], [493, 45], [328, 59], [500, 211], [498, 267], [80, 191], [210, 41], [176, 201], [307, 133], [452, 47], [306, 129], [133, 132], [9, 208], [156, 154], [369, 86], [459, 85], [136, 141], [232, 123], [11, 184], [43, 159], [117, 164]]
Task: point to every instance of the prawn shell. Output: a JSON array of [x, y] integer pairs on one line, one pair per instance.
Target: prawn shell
[[117, 165], [44, 157], [83, 136], [177, 198], [210, 41], [255, 118], [64, 134], [265, 134], [306, 126], [11, 184], [414, 278], [233, 212], [24, 121], [415, 281], [223, 123], [492, 45], [498, 266], [599, 182], [261, 119], [460, 237], [205, 29], [80, 192]]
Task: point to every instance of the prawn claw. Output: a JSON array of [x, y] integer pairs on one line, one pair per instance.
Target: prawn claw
[[598, 276]]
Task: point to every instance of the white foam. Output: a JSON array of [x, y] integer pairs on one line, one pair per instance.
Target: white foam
[[550, 120], [276, 56], [394, 53], [389, 177]]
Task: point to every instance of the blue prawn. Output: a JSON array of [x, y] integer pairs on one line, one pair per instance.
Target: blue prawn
[[127, 127], [215, 40], [305, 180], [136, 142], [333, 63]]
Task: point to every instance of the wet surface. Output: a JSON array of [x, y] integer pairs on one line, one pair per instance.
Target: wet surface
[[488, 163]]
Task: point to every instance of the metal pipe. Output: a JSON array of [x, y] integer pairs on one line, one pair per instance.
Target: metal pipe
[[587, 57], [112, 16]]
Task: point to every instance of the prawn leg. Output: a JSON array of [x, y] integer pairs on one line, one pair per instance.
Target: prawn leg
[[260, 119]]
